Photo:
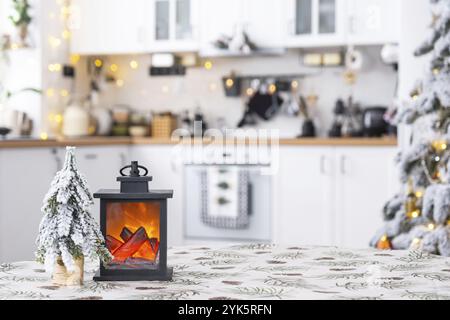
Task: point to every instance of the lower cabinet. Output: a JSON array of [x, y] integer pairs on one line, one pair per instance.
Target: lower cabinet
[[100, 165], [304, 196], [332, 195], [25, 176], [366, 178]]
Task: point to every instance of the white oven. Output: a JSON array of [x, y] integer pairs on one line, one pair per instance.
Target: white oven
[[258, 198]]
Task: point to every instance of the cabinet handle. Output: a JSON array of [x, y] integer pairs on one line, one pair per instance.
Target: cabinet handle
[[57, 159], [351, 26], [141, 35], [194, 32], [290, 27], [123, 159], [343, 164], [91, 156], [322, 165]]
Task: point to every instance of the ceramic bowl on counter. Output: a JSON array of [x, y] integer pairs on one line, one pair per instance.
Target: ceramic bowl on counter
[[120, 130], [138, 131]]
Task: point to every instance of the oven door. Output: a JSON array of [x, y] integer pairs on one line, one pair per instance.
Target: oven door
[[259, 207]]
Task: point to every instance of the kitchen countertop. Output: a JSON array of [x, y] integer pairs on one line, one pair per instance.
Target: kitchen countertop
[[107, 141]]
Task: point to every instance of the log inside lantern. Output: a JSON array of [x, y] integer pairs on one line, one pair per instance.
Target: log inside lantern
[[112, 243], [131, 246], [135, 245]]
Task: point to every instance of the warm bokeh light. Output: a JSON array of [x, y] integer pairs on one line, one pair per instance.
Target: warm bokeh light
[[134, 64], [65, 34], [54, 67], [272, 88], [74, 58], [98, 63], [208, 65], [43, 136], [114, 67], [54, 42], [50, 92]]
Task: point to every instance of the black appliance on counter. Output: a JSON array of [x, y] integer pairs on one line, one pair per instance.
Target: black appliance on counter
[[374, 123]]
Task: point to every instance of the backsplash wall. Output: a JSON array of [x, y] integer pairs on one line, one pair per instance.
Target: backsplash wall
[[375, 85]]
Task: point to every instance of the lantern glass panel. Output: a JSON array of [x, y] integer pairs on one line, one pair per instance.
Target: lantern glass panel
[[133, 234]]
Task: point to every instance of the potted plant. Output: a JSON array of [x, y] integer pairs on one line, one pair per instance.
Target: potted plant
[[21, 19]]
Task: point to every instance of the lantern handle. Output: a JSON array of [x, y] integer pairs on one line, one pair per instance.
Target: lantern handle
[[134, 170]]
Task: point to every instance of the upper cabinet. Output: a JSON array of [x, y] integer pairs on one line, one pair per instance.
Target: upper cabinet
[[261, 20], [134, 26], [173, 25], [318, 23], [108, 27], [313, 23], [146, 26], [373, 21]]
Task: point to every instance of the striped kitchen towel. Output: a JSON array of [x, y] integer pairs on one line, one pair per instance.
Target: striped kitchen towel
[[225, 197]]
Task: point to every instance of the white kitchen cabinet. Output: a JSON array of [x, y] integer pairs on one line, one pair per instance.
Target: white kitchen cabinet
[[332, 195], [315, 23], [305, 196], [146, 26], [173, 25], [167, 174], [373, 21], [262, 20], [108, 27], [214, 25], [100, 165], [25, 176], [365, 181], [324, 23]]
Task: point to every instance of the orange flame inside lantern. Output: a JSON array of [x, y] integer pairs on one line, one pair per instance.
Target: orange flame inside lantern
[[132, 232]]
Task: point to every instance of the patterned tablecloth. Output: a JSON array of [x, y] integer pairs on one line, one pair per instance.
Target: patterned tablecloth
[[256, 271]]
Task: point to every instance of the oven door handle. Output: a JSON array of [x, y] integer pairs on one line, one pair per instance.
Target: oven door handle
[[249, 199]]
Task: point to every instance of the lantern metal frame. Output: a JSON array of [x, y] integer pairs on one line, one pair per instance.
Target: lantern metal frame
[[134, 188]]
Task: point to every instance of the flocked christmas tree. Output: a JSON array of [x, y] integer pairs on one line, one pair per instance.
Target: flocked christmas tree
[[419, 217], [67, 230]]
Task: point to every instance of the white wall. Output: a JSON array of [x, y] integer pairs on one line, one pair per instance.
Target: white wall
[[416, 19], [53, 25], [375, 85], [22, 69]]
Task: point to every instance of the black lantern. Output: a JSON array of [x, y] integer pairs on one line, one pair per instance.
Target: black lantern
[[133, 221]]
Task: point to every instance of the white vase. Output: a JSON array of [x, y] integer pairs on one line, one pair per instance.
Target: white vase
[[75, 121]]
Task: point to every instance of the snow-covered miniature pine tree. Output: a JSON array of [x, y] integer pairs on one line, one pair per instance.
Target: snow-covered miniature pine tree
[[420, 217], [68, 231]]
